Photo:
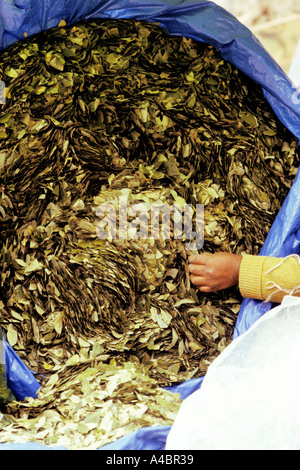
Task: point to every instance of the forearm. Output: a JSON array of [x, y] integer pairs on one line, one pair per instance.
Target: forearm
[[268, 278]]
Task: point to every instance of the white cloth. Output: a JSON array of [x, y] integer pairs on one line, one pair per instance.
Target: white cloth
[[250, 396]]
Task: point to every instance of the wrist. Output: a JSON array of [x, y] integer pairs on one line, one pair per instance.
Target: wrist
[[236, 270]]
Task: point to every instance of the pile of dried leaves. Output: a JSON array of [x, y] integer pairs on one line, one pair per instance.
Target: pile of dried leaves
[[96, 112], [88, 406]]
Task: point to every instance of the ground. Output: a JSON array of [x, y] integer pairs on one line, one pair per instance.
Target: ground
[[276, 25]]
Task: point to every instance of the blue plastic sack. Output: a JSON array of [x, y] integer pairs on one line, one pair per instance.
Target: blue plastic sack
[[206, 22], [20, 380]]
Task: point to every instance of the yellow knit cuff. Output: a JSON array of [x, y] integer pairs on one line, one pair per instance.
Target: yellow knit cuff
[[250, 276]]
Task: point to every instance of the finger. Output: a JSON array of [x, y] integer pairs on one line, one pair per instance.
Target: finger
[[197, 259], [197, 269], [197, 280], [205, 289]]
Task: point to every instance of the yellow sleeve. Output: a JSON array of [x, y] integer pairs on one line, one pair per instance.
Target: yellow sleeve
[[268, 278]]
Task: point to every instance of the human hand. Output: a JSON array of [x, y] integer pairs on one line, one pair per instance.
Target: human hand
[[214, 271]]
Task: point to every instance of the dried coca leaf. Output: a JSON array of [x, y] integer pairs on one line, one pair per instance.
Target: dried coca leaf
[[97, 112]]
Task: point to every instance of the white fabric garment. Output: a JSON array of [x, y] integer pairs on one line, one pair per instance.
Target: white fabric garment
[[250, 396]]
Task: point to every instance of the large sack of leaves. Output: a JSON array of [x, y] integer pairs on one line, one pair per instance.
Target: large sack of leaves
[[207, 23]]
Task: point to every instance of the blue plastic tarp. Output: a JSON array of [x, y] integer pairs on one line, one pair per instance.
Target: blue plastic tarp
[[206, 22], [20, 380]]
